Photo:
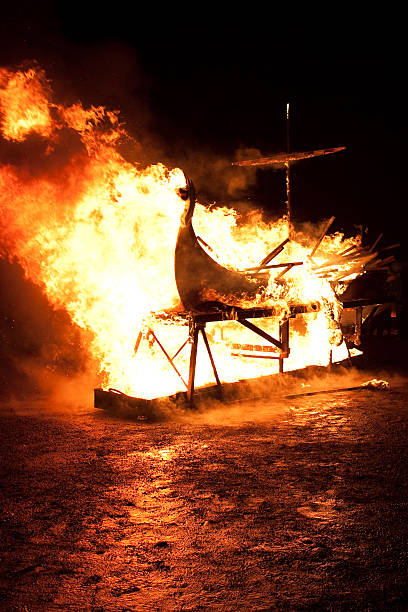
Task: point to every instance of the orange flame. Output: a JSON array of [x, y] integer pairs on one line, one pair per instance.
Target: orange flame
[[24, 104], [99, 235]]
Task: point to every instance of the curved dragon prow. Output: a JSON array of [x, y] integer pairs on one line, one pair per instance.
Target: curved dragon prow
[[201, 282]]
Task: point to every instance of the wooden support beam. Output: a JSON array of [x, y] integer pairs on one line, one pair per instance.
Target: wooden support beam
[[138, 341], [349, 360], [180, 349], [193, 360], [282, 343], [284, 337], [358, 322], [207, 346], [254, 356], [169, 359], [261, 333]]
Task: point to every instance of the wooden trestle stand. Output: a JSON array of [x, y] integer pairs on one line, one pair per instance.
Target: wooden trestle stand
[[197, 321]]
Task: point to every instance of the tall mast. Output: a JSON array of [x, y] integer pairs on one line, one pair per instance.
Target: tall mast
[[287, 166], [286, 159]]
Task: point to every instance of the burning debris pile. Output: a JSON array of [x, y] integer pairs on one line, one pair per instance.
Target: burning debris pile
[[99, 234]]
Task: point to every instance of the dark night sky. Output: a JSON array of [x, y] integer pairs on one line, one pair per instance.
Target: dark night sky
[[205, 82]]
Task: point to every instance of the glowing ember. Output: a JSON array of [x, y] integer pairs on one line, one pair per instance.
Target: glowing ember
[[98, 234]]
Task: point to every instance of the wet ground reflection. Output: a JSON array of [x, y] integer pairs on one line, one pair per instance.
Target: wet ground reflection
[[285, 504]]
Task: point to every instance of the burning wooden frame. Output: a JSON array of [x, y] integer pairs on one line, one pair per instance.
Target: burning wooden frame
[[197, 275], [197, 321], [210, 292]]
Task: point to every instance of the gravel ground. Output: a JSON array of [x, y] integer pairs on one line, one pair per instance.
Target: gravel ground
[[286, 504]]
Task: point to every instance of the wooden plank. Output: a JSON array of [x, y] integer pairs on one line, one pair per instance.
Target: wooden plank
[[180, 349], [322, 235], [169, 359], [261, 333], [273, 253], [138, 341], [207, 346], [279, 265], [192, 369]]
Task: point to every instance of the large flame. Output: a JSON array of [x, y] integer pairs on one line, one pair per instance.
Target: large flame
[[98, 234]]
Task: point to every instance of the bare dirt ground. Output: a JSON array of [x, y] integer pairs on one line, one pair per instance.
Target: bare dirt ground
[[286, 504]]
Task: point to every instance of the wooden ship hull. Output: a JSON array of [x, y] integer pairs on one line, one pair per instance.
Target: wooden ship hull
[[199, 277]]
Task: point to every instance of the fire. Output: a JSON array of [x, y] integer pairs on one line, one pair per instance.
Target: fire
[[24, 103], [98, 235]]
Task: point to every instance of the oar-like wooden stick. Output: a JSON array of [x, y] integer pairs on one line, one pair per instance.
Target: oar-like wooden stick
[[373, 385], [326, 227]]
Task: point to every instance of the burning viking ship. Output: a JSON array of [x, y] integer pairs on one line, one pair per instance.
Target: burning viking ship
[[210, 292], [102, 234]]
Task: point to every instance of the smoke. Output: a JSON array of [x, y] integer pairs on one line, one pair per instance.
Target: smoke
[[271, 398], [40, 347], [285, 396], [214, 176]]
